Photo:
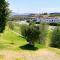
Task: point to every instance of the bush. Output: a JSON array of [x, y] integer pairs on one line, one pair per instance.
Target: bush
[[31, 33], [43, 29], [55, 39], [53, 24], [11, 25], [34, 33]]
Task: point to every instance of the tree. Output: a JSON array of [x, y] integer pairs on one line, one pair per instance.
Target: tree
[[3, 14], [34, 33], [45, 13], [31, 33]]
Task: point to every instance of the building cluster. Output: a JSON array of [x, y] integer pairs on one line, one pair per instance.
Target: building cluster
[[45, 19]]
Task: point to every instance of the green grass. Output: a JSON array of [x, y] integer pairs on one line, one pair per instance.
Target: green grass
[[17, 28], [40, 46], [9, 40]]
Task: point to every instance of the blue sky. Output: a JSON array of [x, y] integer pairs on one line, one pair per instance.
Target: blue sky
[[34, 6]]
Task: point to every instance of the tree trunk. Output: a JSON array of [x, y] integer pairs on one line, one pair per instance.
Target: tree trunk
[[31, 43]]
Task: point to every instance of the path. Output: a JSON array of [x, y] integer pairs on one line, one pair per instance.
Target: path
[[42, 54]]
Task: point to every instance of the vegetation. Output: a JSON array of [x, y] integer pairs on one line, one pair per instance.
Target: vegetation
[[31, 33], [3, 14], [54, 14], [43, 32], [55, 39], [16, 18], [15, 35], [54, 24], [11, 41], [10, 25], [35, 33]]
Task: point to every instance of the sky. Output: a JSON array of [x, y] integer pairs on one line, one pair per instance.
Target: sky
[[34, 6]]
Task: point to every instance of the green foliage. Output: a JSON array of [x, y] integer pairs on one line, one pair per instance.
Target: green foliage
[[53, 24], [31, 33], [58, 24], [10, 40], [55, 39], [16, 18], [34, 33], [3, 14], [54, 14], [43, 32], [11, 25]]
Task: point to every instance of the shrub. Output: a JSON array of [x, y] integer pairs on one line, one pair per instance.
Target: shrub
[[31, 33], [43, 29], [34, 33], [53, 24], [11, 25], [55, 39]]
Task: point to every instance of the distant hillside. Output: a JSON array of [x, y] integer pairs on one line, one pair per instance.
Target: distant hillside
[[55, 14], [17, 16], [25, 14]]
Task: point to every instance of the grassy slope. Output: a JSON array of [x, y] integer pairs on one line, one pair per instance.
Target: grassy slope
[[9, 40]]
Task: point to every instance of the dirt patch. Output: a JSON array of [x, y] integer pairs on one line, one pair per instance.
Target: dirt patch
[[42, 54]]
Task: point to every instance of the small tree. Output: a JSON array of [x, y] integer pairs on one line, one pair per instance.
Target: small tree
[[34, 33], [55, 38], [3, 14], [31, 33]]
